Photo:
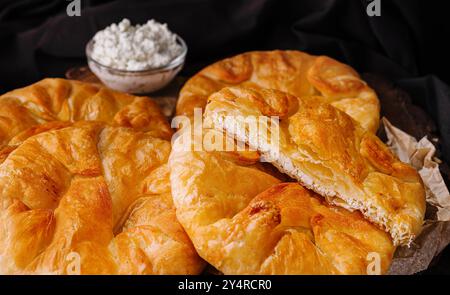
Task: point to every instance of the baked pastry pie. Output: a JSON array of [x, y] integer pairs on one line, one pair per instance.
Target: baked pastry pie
[[242, 220], [64, 100], [328, 152], [294, 72], [91, 198]]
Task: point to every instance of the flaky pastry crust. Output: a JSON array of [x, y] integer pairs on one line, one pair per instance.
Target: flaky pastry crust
[[69, 101], [243, 221], [89, 198], [328, 152], [294, 72]]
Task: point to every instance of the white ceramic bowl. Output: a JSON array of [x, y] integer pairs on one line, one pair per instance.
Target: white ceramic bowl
[[138, 82]]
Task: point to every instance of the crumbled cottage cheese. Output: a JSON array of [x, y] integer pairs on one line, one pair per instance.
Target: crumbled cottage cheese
[[134, 48]]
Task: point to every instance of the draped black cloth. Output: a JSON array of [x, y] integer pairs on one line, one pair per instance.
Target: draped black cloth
[[405, 44]]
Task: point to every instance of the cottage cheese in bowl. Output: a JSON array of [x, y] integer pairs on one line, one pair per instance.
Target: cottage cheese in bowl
[[137, 59]]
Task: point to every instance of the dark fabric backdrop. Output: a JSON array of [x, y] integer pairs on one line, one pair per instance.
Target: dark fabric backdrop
[[405, 44]]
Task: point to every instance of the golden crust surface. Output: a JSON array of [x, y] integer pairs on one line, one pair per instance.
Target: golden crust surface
[[242, 220], [294, 72], [328, 152], [65, 100], [94, 194]]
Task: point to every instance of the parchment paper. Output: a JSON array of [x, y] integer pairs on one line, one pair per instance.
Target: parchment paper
[[436, 233]]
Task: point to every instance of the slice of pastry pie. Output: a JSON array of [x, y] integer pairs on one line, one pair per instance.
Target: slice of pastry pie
[[326, 151]]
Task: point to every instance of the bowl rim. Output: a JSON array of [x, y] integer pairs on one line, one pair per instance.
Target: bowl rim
[[174, 63]]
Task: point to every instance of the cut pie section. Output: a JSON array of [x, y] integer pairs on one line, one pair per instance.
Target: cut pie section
[[326, 151]]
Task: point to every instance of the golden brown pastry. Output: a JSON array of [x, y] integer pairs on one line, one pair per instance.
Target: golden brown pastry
[[92, 199], [65, 100], [328, 152], [294, 72], [243, 221]]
